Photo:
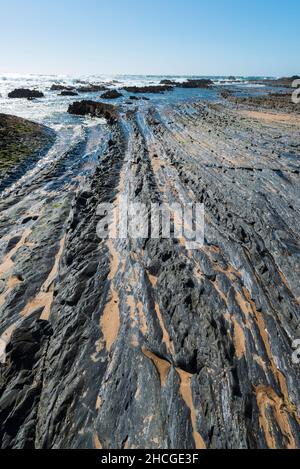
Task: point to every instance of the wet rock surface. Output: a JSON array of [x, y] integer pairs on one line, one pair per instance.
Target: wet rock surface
[[283, 82], [59, 87], [68, 93], [21, 143], [273, 101], [91, 88], [94, 109], [168, 82], [148, 89], [111, 94], [145, 343], [138, 98], [203, 83]]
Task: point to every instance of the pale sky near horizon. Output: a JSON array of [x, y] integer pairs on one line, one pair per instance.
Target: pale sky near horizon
[[209, 37]]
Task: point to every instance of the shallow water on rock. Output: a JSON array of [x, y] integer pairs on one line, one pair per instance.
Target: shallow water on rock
[[79, 141], [179, 343]]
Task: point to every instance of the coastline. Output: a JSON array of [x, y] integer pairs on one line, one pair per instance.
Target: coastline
[[197, 350]]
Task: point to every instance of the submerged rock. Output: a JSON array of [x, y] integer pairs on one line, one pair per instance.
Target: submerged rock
[[111, 94], [25, 93], [139, 98], [94, 109]]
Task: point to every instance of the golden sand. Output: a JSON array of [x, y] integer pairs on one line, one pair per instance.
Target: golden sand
[[186, 393]]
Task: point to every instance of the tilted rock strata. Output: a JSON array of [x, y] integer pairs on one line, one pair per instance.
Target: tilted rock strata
[[148, 344], [272, 101]]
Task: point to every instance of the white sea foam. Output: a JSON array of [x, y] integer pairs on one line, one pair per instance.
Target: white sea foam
[[52, 109]]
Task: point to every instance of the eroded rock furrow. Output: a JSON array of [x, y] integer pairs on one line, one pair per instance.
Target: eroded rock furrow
[[140, 342]]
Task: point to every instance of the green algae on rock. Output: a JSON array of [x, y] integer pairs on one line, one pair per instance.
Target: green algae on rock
[[19, 140]]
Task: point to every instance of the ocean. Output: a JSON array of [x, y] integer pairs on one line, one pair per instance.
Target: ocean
[[51, 110], [72, 131]]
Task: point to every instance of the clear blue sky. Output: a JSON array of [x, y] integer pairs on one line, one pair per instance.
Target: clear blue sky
[[202, 37]]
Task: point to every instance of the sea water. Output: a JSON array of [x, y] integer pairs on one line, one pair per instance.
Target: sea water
[[89, 134]]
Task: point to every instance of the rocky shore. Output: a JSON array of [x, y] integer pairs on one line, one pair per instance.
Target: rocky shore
[[21, 143], [271, 101], [145, 343]]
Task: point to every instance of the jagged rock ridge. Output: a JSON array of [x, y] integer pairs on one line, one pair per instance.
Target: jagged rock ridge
[[138, 343]]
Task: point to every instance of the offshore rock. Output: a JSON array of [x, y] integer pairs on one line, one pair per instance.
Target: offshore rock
[[203, 83], [91, 88], [94, 109], [139, 98], [168, 82], [283, 82], [148, 89], [25, 93], [68, 93], [111, 94], [58, 87]]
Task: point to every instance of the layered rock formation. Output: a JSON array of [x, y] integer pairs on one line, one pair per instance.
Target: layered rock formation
[[145, 343], [271, 101]]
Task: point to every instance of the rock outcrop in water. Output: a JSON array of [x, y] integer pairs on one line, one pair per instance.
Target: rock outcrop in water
[[139, 98], [91, 88], [58, 87], [94, 109], [25, 93], [168, 85], [145, 343], [190, 83], [68, 93], [168, 82], [111, 94], [148, 89], [202, 83]]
